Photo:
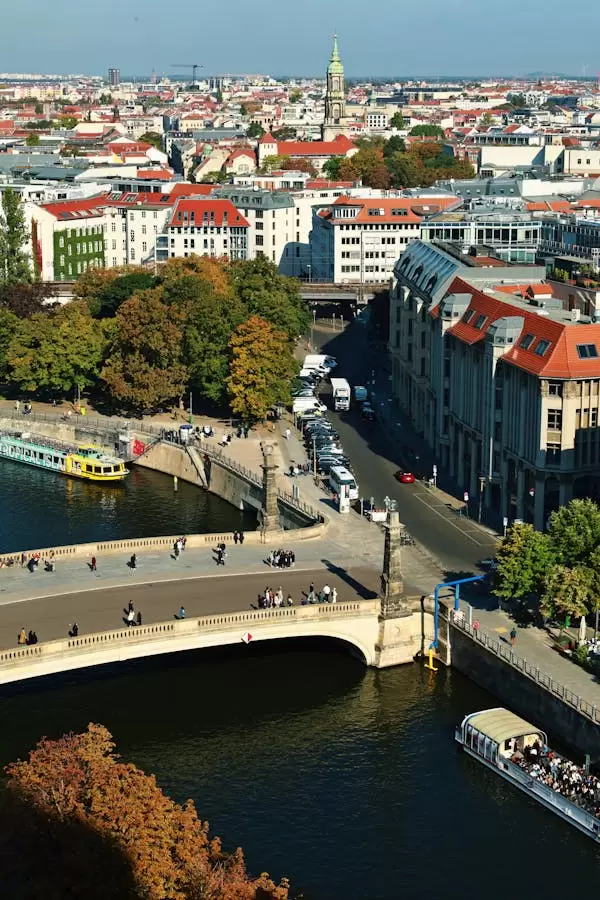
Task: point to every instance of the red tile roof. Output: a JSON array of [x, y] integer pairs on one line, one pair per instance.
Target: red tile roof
[[198, 208], [184, 189], [339, 147]]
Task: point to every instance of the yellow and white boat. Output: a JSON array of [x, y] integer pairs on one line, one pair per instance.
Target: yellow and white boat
[[84, 461]]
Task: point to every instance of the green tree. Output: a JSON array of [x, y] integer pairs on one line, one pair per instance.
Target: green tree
[[255, 130], [271, 163], [262, 369], [39, 109], [38, 124], [67, 122], [574, 532], [8, 325], [56, 351], [32, 140], [105, 99], [287, 133], [397, 121], [567, 591], [427, 131], [153, 138], [295, 95], [518, 101], [117, 291], [14, 261], [145, 369], [524, 558], [219, 95], [274, 297], [331, 168], [486, 120], [394, 145]]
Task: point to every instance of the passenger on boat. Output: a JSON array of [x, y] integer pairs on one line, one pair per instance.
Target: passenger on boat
[[561, 775]]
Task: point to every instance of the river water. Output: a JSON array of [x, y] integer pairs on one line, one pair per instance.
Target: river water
[[41, 509], [345, 780]]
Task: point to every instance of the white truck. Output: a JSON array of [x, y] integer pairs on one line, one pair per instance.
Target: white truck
[[341, 393]]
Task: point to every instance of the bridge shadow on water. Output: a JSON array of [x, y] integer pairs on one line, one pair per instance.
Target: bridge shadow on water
[[364, 592]]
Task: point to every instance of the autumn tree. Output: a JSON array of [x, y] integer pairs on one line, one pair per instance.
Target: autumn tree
[[56, 351], [272, 163], [298, 165], [14, 261], [262, 368], [145, 369], [25, 298], [84, 824], [274, 297]]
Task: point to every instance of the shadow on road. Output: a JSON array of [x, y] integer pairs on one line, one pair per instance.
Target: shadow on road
[[363, 592]]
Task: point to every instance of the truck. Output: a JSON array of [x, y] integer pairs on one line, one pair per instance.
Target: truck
[[341, 393]]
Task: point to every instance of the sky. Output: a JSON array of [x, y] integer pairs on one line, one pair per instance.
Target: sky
[[381, 37]]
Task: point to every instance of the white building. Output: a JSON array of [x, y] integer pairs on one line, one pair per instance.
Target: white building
[[204, 227]]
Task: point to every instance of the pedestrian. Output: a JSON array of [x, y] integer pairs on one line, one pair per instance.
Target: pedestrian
[[131, 618], [22, 637], [30, 639], [130, 606], [334, 595], [183, 542], [176, 549], [513, 636], [181, 612], [17, 405], [287, 434], [133, 561], [290, 600], [34, 637], [93, 565], [138, 618], [326, 592], [311, 589], [241, 537], [74, 630], [235, 538]]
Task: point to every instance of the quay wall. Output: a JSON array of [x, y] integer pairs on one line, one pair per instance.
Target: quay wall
[[521, 686]]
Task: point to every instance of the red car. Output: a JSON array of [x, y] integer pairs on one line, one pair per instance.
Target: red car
[[405, 477]]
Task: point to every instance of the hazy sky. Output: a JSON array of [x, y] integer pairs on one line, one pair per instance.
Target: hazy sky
[[385, 37]]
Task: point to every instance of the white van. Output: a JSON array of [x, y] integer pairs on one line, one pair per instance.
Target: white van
[[338, 476], [301, 404]]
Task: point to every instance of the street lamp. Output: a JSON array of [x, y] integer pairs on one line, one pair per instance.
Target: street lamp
[[309, 267], [481, 490]]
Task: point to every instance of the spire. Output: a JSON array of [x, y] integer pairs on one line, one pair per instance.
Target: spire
[[335, 66]]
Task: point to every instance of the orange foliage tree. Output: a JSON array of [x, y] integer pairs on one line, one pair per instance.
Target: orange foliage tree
[[150, 846]]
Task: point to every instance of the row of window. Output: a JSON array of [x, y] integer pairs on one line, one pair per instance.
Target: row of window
[[383, 227]]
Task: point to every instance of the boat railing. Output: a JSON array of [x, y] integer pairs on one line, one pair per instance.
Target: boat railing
[[535, 786], [505, 652]]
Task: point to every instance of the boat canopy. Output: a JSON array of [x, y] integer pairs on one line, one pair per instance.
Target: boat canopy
[[500, 725]]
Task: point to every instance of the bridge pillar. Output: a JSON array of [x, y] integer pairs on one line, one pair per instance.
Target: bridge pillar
[[270, 510], [396, 641]]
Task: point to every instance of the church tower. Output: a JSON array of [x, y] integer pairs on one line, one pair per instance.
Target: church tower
[[335, 99]]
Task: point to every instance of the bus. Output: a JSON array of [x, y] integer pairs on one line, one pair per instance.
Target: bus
[[338, 476]]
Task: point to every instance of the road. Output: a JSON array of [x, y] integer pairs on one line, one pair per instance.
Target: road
[[102, 610], [454, 540]]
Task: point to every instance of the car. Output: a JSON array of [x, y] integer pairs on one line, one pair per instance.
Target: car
[[303, 393], [405, 477], [326, 463], [367, 412], [319, 427], [317, 432]]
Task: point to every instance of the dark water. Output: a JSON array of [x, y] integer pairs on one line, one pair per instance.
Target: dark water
[[41, 509], [347, 781]]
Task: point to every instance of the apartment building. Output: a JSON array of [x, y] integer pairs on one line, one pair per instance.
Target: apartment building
[[501, 380], [572, 236], [273, 226], [204, 227], [512, 236]]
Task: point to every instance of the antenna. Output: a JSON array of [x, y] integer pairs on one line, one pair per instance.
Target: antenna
[[193, 66]]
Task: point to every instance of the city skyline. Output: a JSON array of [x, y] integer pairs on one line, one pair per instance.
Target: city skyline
[[438, 40]]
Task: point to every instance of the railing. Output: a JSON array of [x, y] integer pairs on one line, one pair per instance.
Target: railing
[[185, 627], [504, 652]]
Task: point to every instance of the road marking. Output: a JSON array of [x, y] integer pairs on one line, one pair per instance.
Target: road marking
[[448, 520]]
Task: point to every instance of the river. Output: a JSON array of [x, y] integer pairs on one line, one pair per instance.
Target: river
[[41, 509], [345, 780]]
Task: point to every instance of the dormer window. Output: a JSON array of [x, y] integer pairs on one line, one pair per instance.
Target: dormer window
[[468, 316], [480, 321], [542, 348], [527, 341], [587, 351]]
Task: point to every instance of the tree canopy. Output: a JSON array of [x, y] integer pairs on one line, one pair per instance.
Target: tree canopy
[[78, 822], [255, 130], [14, 261], [262, 369], [427, 131], [153, 138]]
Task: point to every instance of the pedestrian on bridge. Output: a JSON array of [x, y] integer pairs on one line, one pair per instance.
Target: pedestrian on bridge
[[93, 564], [513, 636], [22, 637]]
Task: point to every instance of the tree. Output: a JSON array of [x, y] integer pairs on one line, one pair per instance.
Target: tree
[[566, 591], [298, 165], [56, 351], [38, 124], [14, 261], [145, 369], [274, 297], [404, 169], [397, 121], [295, 95], [284, 134], [219, 95], [84, 820], [331, 167], [574, 532], [394, 145], [255, 130], [368, 164], [24, 298], [153, 138], [68, 123], [117, 291], [262, 369], [427, 131], [32, 140], [524, 557], [8, 326], [271, 163], [486, 120]]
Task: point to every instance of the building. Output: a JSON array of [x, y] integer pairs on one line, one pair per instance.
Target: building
[[360, 239], [574, 236], [315, 152], [336, 121], [512, 236], [204, 227], [274, 226], [67, 238], [501, 380], [114, 77]]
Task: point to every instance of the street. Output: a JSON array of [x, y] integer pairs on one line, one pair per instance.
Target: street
[[456, 541]]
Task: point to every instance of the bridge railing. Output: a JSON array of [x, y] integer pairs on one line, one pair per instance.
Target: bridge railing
[[505, 653], [180, 628]]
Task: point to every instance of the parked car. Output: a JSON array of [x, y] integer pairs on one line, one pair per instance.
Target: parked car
[[367, 412], [404, 477]]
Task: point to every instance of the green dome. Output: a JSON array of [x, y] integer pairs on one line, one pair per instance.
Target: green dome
[[335, 66]]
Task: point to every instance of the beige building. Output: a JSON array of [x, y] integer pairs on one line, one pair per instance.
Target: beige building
[[501, 381]]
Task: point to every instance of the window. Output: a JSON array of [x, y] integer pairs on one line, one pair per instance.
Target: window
[[594, 418], [259, 240], [480, 321], [468, 316], [587, 351], [555, 388], [553, 454], [527, 341], [541, 348], [145, 246], [555, 419], [143, 229], [132, 235]]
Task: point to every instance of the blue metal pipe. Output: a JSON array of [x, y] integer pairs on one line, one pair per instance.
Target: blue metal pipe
[[436, 597]]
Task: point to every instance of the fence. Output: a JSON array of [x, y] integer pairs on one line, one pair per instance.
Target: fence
[[505, 653]]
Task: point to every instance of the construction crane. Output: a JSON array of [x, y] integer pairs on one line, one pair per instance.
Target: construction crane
[[193, 66]]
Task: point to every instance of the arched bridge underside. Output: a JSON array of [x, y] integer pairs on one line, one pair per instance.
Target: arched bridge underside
[[355, 623]]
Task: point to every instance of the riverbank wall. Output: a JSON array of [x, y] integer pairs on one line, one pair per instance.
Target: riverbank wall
[[521, 686]]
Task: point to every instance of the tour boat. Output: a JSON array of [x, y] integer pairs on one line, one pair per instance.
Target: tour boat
[[83, 461], [515, 749]]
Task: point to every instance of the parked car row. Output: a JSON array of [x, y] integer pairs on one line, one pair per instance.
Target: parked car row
[[304, 393]]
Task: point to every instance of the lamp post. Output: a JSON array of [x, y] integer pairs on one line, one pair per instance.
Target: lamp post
[[309, 267], [481, 490]]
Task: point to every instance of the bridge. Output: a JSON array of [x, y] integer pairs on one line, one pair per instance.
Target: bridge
[[355, 624], [357, 293]]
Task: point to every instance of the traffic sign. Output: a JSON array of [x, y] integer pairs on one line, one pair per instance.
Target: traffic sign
[[466, 496], [434, 471], [505, 521], [247, 637]]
